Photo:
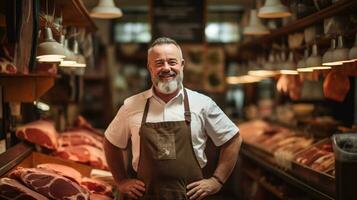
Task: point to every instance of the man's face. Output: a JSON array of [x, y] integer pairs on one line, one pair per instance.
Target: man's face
[[165, 64]]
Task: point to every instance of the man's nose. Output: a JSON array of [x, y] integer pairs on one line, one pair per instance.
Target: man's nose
[[166, 67]]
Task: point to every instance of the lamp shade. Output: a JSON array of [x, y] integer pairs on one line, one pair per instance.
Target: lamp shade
[[289, 67], [352, 54], [315, 60], [106, 9], [70, 59], [273, 9], [50, 50], [301, 65], [255, 26], [340, 54], [327, 58]]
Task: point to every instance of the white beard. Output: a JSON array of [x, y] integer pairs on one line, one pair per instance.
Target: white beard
[[169, 87]]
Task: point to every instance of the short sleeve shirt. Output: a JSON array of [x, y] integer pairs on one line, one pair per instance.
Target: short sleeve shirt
[[208, 120]]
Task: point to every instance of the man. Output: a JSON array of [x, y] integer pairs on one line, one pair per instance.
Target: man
[[168, 126]]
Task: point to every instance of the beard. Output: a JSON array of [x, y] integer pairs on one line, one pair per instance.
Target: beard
[[169, 87]]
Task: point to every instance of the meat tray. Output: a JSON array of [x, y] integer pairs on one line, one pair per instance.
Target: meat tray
[[319, 179]]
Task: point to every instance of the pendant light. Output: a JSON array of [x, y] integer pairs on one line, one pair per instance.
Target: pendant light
[[70, 58], [106, 9], [301, 65], [315, 61], [50, 50], [255, 26], [273, 9], [327, 58], [340, 54], [352, 54], [289, 67]]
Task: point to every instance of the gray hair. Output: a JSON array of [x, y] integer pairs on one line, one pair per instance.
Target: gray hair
[[165, 40]]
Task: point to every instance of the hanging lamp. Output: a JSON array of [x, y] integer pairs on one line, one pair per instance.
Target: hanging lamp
[[340, 54], [50, 50], [301, 65], [106, 9], [289, 67], [255, 26], [273, 9], [315, 61], [327, 58], [352, 54]]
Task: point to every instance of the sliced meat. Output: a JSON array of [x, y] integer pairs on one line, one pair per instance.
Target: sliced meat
[[12, 189], [79, 137], [50, 184], [97, 186], [63, 170], [94, 196], [40, 132], [83, 154]]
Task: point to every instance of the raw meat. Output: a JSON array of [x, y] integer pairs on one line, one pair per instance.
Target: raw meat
[[97, 186], [336, 85], [94, 196], [40, 132], [83, 154], [12, 189], [50, 184], [79, 137], [63, 170]]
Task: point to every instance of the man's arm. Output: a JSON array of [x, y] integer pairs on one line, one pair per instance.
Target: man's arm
[[227, 158], [115, 158]]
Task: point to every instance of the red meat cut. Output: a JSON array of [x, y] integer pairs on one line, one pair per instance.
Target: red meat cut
[[83, 154], [11, 189], [50, 184], [79, 137], [63, 170], [40, 132], [97, 186]]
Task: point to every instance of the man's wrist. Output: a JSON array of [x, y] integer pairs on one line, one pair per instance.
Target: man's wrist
[[217, 179]]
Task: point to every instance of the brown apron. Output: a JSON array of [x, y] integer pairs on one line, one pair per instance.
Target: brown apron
[[167, 162]]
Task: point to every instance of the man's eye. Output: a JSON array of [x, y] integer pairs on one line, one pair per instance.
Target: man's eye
[[173, 63]]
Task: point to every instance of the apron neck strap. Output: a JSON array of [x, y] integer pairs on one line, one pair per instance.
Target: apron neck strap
[[185, 103]]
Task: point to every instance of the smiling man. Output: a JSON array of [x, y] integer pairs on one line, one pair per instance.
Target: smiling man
[[168, 126]]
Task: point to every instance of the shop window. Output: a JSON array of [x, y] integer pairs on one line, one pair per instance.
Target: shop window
[[224, 32], [137, 32]]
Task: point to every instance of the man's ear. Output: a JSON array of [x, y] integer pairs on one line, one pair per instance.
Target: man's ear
[[182, 63]]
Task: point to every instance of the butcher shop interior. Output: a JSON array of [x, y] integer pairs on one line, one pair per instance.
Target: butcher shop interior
[[283, 71]]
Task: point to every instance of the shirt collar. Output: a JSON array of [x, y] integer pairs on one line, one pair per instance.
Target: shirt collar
[[150, 93]]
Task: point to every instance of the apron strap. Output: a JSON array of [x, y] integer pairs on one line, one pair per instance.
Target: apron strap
[[143, 120], [187, 108], [187, 113]]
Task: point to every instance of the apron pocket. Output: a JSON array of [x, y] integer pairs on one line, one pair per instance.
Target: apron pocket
[[165, 146]]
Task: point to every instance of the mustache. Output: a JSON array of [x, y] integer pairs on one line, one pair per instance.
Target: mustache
[[170, 73]]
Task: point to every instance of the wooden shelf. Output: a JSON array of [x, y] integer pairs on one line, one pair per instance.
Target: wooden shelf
[[74, 14], [298, 25], [25, 88]]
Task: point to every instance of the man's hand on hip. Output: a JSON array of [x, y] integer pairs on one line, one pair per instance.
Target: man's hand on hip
[[134, 188], [203, 188]]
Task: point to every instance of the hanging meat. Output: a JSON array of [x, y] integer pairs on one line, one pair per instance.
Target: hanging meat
[[290, 84], [336, 85]]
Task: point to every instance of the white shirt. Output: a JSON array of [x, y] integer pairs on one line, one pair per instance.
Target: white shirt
[[207, 120]]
